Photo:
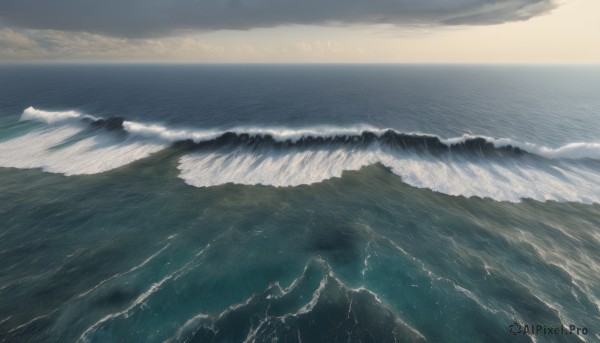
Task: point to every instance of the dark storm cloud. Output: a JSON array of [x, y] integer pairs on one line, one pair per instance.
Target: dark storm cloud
[[146, 18]]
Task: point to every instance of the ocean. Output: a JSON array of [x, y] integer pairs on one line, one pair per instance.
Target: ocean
[[299, 203]]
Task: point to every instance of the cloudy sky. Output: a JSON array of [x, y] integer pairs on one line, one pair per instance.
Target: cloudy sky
[[482, 31]]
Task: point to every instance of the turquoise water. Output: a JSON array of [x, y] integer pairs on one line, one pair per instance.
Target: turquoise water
[[123, 231]]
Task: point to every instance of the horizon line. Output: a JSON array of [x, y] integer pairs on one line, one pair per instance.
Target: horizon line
[[541, 63]]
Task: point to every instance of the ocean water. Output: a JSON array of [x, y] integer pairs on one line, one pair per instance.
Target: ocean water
[[299, 203]]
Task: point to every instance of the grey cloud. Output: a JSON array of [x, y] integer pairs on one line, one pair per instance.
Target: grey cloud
[[20, 45], [149, 18]]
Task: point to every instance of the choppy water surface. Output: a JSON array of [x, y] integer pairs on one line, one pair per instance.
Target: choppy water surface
[[322, 204]]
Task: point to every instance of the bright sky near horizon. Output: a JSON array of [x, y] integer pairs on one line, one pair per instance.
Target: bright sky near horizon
[[411, 31]]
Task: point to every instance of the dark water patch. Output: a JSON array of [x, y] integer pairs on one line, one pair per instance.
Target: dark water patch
[[339, 242], [116, 296]]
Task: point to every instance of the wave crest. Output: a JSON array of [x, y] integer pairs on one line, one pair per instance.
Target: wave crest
[[32, 113], [470, 165], [323, 134]]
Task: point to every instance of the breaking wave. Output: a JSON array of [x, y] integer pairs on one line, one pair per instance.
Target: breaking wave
[[502, 169]]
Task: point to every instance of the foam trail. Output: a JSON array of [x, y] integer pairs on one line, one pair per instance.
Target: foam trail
[[277, 169], [134, 268], [90, 155], [499, 180], [85, 336], [502, 180]]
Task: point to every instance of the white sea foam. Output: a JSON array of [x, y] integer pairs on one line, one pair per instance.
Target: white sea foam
[[284, 291], [49, 117], [288, 168], [85, 336], [572, 150], [190, 325], [162, 133], [308, 307], [90, 155], [563, 176], [502, 180], [278, 133], [497, 179], [29, 322], [575, 150]]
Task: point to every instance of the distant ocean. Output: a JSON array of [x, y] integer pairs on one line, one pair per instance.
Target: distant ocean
[[299, 203]]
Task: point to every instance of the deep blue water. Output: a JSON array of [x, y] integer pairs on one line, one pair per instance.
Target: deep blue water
[[551, 105], [313, 203]]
